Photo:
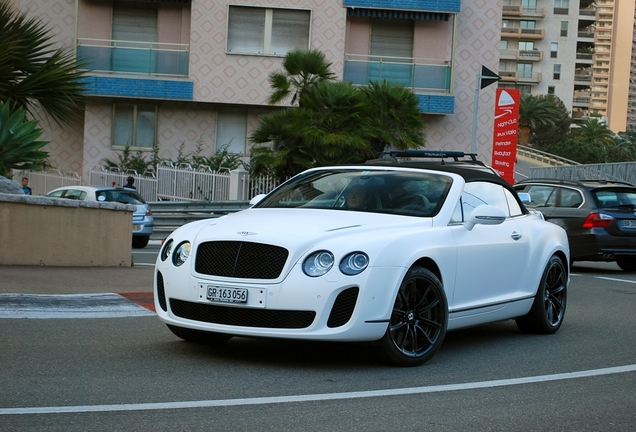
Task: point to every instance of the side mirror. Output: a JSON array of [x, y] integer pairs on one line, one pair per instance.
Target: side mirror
[[525, 197], [258, 198], [485, 215]]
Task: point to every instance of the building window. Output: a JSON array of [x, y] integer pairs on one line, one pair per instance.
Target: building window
[[526, 46], [564, 28], [134, 125], [255, 30], [561, 7], [524, 70], [503, 44], [554, 50], [231, 130], [527, 24], [550, 89], [556, 72]]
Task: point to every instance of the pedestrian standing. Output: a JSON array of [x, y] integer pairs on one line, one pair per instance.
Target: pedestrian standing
[[25, 186]]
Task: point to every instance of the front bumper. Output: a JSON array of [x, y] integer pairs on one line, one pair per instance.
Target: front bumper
[[333, 307]]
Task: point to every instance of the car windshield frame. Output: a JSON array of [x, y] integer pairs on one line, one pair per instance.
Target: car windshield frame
[[388, 191]]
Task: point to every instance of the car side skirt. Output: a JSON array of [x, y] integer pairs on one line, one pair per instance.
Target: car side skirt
[[486, 314]]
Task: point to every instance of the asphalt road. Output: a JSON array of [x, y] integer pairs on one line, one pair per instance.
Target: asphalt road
[[132, 374]]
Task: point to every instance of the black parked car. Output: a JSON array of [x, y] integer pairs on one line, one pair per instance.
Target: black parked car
[[599, 216]]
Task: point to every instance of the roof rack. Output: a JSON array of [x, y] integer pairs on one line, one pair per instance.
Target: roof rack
[[439, 154]]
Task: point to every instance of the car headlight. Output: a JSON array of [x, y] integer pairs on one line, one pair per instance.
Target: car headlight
[[167, 250], [181, 254], [354, 263], [318, 263]]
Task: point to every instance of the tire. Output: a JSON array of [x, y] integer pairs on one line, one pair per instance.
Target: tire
[[418, 321], [199, 336], [139, 242], [548, 309], [627, 263]]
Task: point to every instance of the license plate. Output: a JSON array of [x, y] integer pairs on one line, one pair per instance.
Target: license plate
[[226, 295], [629, 223], [136, 227]]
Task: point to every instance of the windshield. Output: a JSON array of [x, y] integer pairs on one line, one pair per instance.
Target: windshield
[[618, 197], [381, 191], [120, 195]]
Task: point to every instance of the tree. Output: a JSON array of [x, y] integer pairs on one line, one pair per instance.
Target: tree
[[594, 130], [301, 70], [33, 73], [544, 137], [396, 119], [19, 148], [535, 112]]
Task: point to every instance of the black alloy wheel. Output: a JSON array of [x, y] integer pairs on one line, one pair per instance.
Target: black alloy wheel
[[418, 321], [547, 311]]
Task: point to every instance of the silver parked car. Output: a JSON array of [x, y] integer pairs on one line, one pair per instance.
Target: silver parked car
[[142, 222]]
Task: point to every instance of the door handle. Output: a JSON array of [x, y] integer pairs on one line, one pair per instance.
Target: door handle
[[515, 235]]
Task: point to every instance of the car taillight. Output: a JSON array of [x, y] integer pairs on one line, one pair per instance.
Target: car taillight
[[597, 220], [148, 212]]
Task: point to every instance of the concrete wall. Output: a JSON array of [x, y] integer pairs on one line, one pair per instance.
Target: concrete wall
[[58, 232]]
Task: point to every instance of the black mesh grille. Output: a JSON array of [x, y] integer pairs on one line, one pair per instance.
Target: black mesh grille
[[244, 317], [161, 294], [343, 307], [241, 259]]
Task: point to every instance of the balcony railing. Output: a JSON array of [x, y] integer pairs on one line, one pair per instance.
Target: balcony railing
[[149, 58], [417, 74], [520, 32], [524, 55]]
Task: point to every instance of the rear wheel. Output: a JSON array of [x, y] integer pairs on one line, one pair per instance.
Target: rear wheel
[[199, 336], [140, 242], [627, 263], [418, 321], [548, 309]]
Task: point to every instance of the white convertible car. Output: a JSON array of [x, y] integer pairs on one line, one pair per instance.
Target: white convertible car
[[392, 251]]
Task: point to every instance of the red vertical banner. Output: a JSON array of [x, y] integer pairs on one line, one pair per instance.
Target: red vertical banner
[[506, 131]]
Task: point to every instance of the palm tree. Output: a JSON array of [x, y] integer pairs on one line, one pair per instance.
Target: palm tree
[[397, 120], [33, 73], [548, 135], [535, 112], [19, 148], [595, 131], [302, 69]]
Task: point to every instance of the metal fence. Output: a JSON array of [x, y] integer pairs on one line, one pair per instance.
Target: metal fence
[[192, 184], [622, 171]]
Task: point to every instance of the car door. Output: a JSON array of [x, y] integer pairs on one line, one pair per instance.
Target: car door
[[490, 258]]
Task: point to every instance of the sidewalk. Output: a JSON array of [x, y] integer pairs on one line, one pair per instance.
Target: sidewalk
[[75, 280]]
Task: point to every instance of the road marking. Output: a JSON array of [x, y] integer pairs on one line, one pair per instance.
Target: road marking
[[316, 397], [616, 280], [45, 306]]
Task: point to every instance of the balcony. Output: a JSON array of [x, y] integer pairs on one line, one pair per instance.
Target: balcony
[[584, 57], [529, 78], [521, 55], [509, 76], [525, 33], [420, 75], [582, 100], [527, 12], [147, 58], [584, 79], [512, 10]]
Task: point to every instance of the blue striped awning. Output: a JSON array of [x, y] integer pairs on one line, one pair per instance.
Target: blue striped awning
[[385, 13]]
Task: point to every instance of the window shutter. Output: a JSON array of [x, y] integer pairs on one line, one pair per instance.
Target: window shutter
[[231, 129], [134, 22], [246, 30], [290, 30]]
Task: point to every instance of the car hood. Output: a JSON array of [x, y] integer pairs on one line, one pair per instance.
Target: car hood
[[301, 229]]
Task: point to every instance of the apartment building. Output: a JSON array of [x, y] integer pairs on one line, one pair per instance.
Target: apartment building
[[174, 73], [574, 49]]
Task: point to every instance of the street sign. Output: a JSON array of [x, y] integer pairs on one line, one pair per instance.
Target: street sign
[[488, 77]]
